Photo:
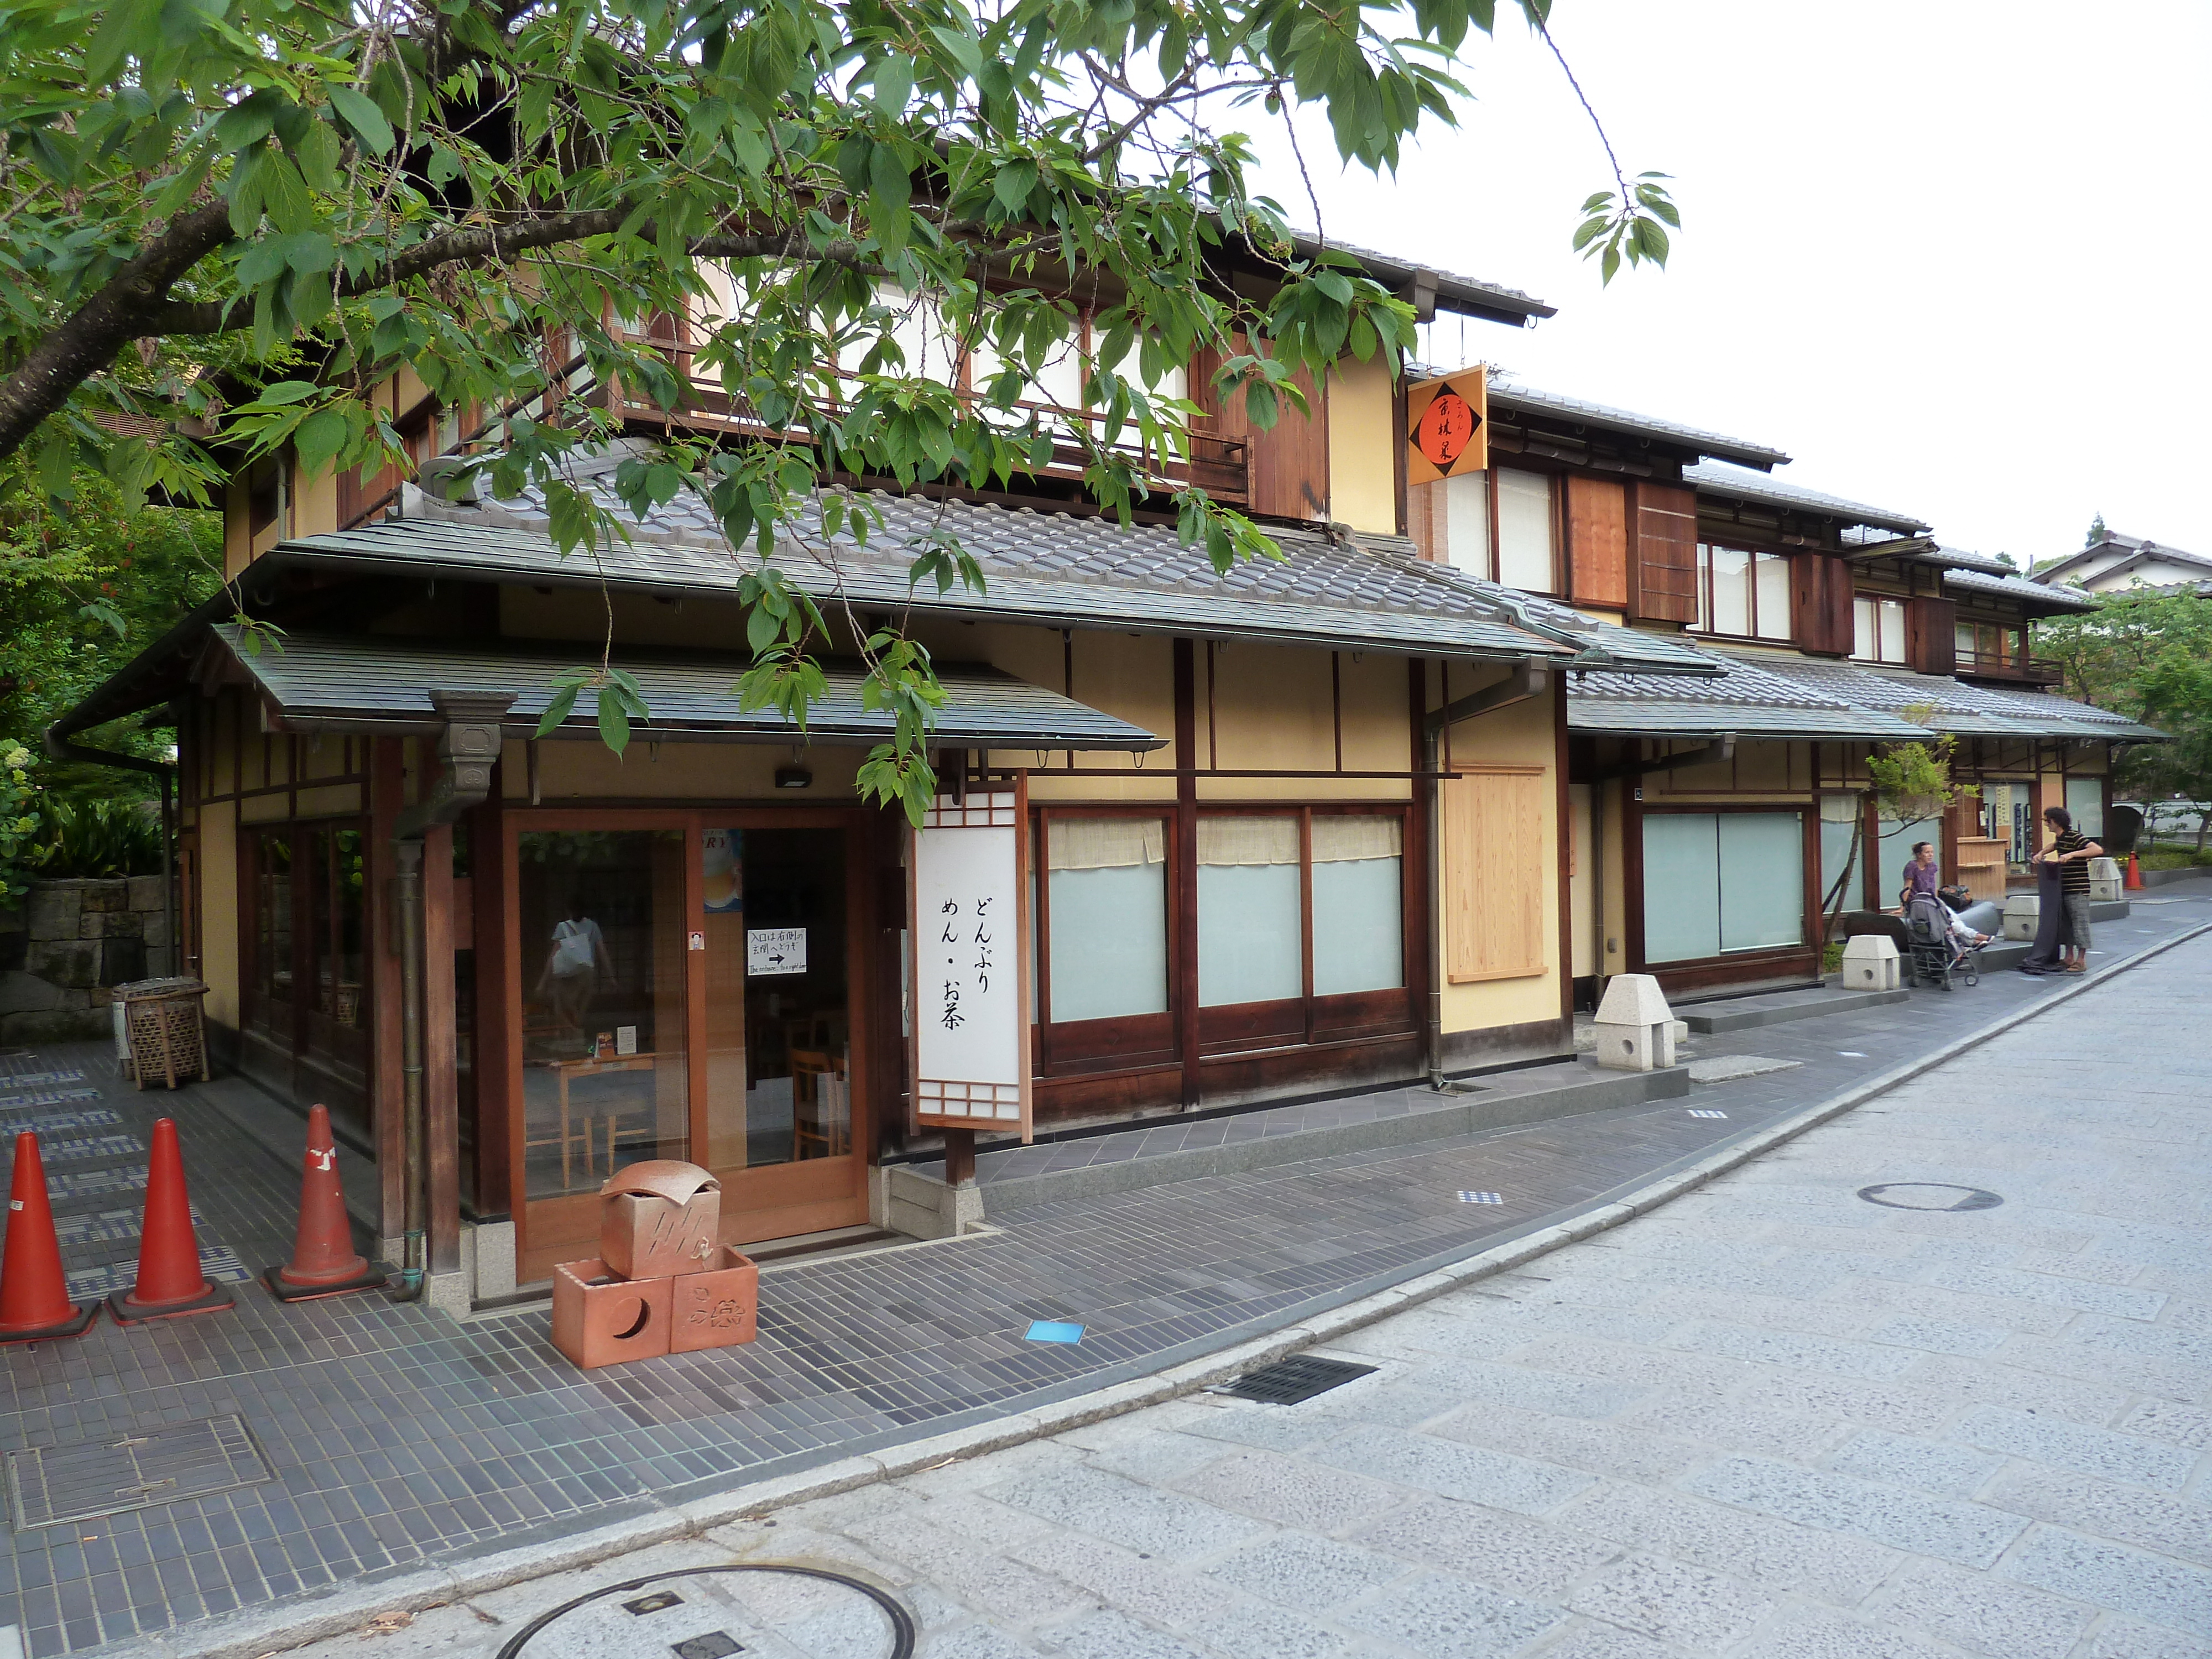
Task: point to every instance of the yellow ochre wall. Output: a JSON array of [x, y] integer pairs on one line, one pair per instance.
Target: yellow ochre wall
[[1363, 461], [1521, 734]]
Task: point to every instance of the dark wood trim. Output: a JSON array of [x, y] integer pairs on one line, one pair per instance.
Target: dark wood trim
[[1306, 920], [1182, 861], [1401, 440], [487, 862], [1796, 962], [1335, 702], [387, 789], [1562, 849], [1631, 869], [1420, 899], [442, 1124]]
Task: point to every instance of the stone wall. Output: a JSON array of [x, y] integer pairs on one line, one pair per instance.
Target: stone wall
[[66, 943]]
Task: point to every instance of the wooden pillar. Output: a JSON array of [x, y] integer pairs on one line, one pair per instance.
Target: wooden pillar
[[495, 1191], [441, 1123], [1184, 982], [1563, 848], [387, 1110], [1421, 901]]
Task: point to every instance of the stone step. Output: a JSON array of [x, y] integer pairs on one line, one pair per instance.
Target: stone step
[[1745, 1013], [1275, 1136]]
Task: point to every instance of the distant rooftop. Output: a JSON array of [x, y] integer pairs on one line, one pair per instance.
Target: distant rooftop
[[1509, 392], [1739, 485]]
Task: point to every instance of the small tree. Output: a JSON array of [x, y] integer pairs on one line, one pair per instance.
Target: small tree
[[2096, 532], [1911, 780], [2144, 654]]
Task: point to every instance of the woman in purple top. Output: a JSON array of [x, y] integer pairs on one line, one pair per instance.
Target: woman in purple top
[[1924, 878]]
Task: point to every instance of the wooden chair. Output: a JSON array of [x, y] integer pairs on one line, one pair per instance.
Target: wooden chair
[[821, 1114]]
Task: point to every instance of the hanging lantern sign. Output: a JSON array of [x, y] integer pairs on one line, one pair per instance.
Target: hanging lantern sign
[[1448, 426]]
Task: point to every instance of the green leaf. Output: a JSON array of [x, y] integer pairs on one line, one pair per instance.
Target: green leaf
[[1013, 184], [614, 720], [358, 111], [894, 83], [319, 438], [562, 703]]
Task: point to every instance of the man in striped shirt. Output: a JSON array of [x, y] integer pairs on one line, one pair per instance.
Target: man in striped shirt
[[2071, 850]]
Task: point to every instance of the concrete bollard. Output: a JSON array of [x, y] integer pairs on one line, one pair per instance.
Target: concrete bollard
[[1870, 963], [2022, 912], [2104, 881], [1635, 1026]]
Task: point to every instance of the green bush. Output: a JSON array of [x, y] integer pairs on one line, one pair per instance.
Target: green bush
[[2176, 858], [96, 839]]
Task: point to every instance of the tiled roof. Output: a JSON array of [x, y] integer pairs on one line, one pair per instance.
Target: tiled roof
[[1958, 558], [1510, 394], [1454, 292], [1739, 485], [384, 682], [1747, 701], [1954, 705], [2019, 588], [1366, 593], [1772, 695]]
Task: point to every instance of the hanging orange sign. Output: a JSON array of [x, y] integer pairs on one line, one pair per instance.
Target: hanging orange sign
[[1447, 426]]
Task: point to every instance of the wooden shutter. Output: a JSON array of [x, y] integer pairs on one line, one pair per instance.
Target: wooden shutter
[[1290, 460], [1597, 542], [1820, 603], [1931, 639], [1662, 562], [1496, 859]]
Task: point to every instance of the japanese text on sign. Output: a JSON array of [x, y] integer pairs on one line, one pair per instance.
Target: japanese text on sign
[[971, 1026]]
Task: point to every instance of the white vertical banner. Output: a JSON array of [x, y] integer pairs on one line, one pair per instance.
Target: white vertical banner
[[971, 944]]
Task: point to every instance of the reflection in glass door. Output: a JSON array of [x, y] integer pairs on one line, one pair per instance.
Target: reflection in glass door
[[778, 1007], [603, 1083]]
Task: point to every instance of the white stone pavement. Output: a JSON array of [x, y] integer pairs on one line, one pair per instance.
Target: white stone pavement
[[1771, 1419]]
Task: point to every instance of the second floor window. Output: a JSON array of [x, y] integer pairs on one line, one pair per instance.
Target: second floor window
[[1742, 593], [1878, 630], [1987, 645], [1526, 535]]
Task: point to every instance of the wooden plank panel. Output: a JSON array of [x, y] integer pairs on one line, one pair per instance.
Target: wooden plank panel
[[1290, 460], [1662, 565], [1931, 634], [1597, 541], [1820, 603], [1493, 895]]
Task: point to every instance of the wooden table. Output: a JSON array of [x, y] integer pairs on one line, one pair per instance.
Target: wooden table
[[563, 1070]]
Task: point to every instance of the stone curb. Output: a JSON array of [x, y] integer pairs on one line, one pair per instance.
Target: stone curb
[[416, 1589]]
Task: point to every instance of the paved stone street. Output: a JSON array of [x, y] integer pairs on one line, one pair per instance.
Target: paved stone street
[[393, 1437], [1833, 1406]]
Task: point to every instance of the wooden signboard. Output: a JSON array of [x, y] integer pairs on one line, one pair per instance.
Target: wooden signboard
[[970, 934], [1448, 426]]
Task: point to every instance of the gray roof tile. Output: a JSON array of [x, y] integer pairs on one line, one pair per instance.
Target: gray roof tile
[[1740, 484], [2019, 588], [1510, 394], [383, 682]]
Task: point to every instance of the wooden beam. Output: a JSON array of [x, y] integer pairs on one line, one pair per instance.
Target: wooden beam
[[1720, 750], [1529, 679], [1183, 983]]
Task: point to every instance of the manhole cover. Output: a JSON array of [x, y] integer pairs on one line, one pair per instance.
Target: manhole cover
[[763, 1608], [1293, 1381], [1930, 1195], [53, 1484]]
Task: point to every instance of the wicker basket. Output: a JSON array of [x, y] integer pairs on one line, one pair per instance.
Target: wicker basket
[[167, 1038]]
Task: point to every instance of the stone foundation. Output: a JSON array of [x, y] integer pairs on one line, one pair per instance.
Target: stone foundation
[[64, 946]]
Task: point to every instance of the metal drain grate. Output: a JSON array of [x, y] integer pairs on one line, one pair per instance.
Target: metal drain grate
[[1291, 1382], [53, 1484]]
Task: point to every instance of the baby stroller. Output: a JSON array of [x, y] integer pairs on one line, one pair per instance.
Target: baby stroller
[[1935, 955]]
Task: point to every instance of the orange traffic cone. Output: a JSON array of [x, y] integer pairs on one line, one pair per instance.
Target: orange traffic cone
[[33, 1296], [2135, 875], [169, 1276], [324, 1262]]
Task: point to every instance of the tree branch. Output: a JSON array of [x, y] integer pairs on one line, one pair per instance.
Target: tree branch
[[85, 342]]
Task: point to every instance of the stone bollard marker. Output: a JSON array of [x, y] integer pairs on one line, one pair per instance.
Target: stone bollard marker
[[2104, 881], [1870, 963], [2021, 913], [1635, 1027]]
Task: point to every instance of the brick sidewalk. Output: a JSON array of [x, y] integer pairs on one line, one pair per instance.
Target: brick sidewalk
[[391, 1435]]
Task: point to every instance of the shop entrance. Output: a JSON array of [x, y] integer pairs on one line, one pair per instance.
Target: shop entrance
[[685, 988]]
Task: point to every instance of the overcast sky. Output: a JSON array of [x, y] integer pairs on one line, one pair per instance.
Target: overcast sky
[[1953, 257]]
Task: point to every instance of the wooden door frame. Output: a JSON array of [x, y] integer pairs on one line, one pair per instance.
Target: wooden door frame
[[817, 1196]]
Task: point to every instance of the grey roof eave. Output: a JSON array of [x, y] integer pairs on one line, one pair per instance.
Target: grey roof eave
[[380, 685], [1511, 394], [1769, 492], [521, 555]]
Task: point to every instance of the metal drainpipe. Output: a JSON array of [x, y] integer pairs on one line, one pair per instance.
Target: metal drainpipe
[[1597, 894], [468, 746], [58, 747], [414, 1164]]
